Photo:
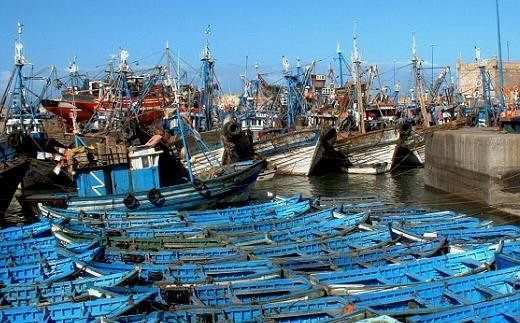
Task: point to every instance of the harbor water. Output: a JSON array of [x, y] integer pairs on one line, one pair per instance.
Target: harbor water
[[406, 187]]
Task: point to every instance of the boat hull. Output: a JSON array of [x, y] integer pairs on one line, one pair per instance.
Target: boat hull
[[231, 188], [11, 175], [369, 153]]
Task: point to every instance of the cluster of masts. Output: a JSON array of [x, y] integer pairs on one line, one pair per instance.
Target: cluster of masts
[[303, 91]]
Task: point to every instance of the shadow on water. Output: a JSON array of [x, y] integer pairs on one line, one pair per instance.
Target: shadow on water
[[405, 187]]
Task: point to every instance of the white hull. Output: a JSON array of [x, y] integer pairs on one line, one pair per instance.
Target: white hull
[[282, 158]]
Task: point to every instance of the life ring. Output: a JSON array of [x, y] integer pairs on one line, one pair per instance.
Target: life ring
[[155, 196], [131, 202], [15, 139]]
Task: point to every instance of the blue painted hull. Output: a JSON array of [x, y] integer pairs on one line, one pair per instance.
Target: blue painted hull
[[234, 187]]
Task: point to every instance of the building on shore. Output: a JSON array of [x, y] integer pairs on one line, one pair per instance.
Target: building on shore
[[470, 80]]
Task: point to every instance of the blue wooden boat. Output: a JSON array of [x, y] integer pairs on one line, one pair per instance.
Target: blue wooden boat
[[247, 292], [432, 227], [27, 231], [368, 258], [505, 309], [439, 296], [46, 270], [408, 273], [305, 232], [198, 273], [75, 311], [48, 254], [175, 256], [235, 212], [60, 292], [358, 240], [89, 225], [229, 188], [27, 244], [385, 212], [481, 235], [314, 310], [421, 217]]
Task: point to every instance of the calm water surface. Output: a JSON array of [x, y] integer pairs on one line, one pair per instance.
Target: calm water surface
[[406, 187]]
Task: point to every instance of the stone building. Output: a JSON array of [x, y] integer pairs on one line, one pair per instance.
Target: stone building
[[470, 81]]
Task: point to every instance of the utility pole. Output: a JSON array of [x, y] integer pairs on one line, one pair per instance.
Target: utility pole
[[500, 63]]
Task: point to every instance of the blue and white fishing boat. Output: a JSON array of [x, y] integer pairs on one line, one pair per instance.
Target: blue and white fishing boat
[[408, 273], [63, 291], [504, 309], [438, 296], [368, 258], [75, 311], [317, 247], [188, 274], [247, 292], [148, 177], [28, 231]]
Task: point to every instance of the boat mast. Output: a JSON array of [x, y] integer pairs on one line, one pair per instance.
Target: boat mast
[[419, 84], [19, 103], [356, 60], [208, 84]]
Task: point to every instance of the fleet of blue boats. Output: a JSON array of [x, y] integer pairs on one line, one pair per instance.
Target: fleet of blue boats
[[285, 260]]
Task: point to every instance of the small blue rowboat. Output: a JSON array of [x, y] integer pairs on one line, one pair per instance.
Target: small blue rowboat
[[49, 255], [75, 312], [424, 217], [358, 240], [505, 309], [408, 273], [27, 231], [248, 292], [438, 296], [432, 227], [60, 292], [481, 235], [314, 310], [27, 244], [163, 257], [198, 273], [306, 232], [365, 258], [45, 271], [254, 209]]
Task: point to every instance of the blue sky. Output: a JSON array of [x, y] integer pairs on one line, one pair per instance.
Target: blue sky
[[264, 30]]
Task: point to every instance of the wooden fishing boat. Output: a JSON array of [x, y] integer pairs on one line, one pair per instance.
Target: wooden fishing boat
[[75, 311], [48, 254], [314, 310], [426, 228], [408, 273], [188, 274], [293, 153], [438, 296], [261, 208], [368, 258], [28, 231], [247, 292], [477, 236], [504, 309], [368, 153], [175, 256], [418, 218], [304, 232], [63, 291], [357, 240]]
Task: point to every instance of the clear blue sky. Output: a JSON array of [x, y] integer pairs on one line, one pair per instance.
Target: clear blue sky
[[264, 30]]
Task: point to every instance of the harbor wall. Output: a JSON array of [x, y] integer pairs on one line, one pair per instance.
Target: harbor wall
[[479, 164]]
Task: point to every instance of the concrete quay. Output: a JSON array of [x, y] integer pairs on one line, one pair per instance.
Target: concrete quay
[[480, 164]]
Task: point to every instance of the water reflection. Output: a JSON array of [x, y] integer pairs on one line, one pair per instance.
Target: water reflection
[[406, 187]]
